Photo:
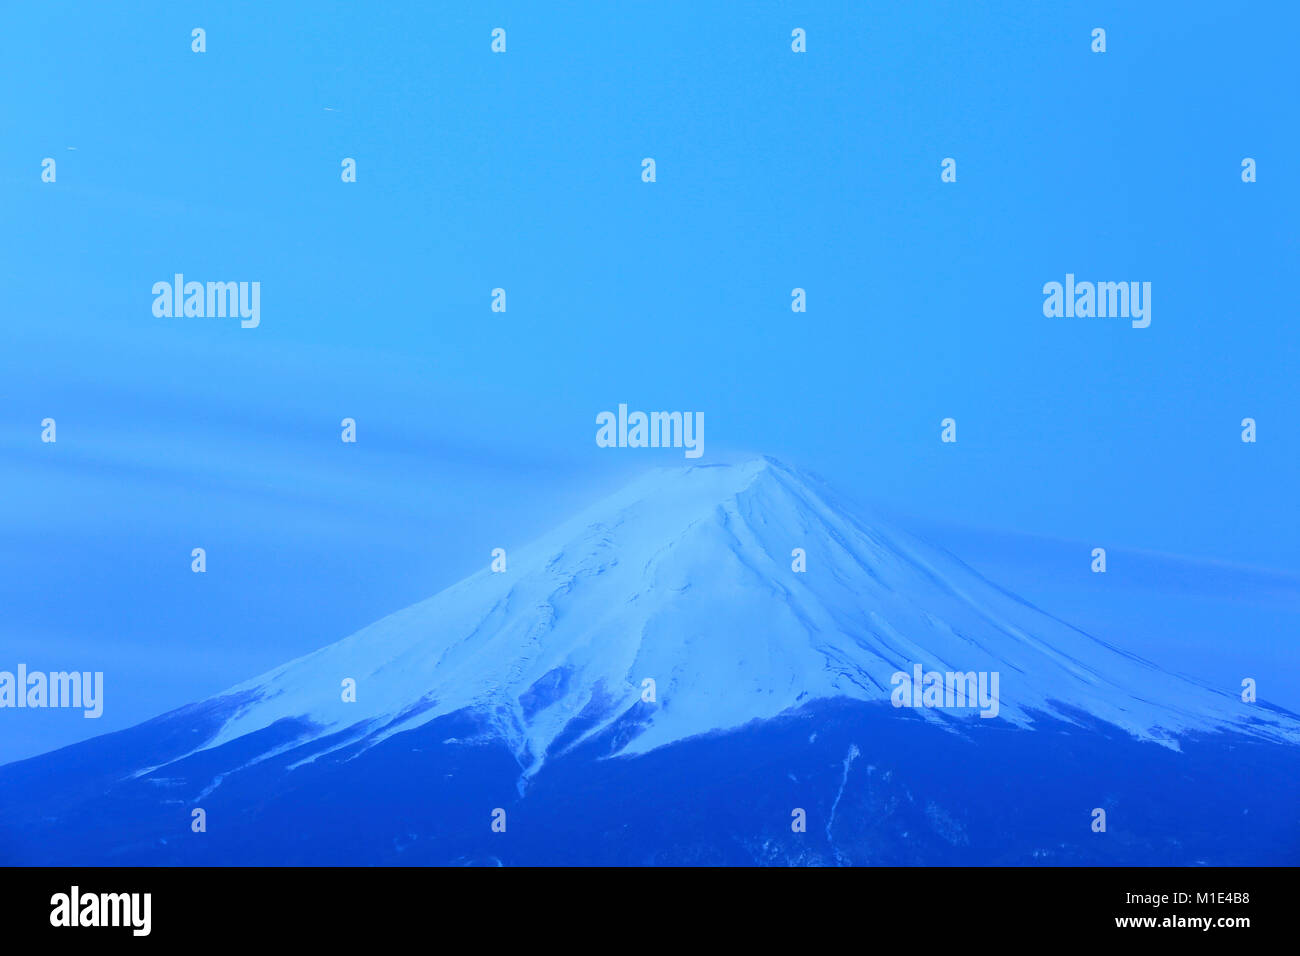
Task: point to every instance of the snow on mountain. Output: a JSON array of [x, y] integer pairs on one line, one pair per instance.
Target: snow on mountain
[[685, 577]]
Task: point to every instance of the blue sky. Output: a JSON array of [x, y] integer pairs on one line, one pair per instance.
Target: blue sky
[[522, 171]]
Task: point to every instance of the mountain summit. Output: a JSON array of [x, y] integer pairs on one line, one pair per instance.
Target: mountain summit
[[685, 578]]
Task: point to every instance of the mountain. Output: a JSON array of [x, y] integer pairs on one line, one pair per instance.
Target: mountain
[[527, 691]]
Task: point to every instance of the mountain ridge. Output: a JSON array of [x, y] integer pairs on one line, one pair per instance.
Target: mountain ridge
[[684, 577]]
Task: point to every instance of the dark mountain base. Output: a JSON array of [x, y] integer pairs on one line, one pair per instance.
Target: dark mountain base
[[914, 794]]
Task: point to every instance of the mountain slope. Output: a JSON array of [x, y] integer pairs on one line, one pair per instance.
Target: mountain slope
[[685, 578], [509, 691]]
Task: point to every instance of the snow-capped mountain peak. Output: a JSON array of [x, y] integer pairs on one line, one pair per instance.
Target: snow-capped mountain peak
[[685, 578]]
